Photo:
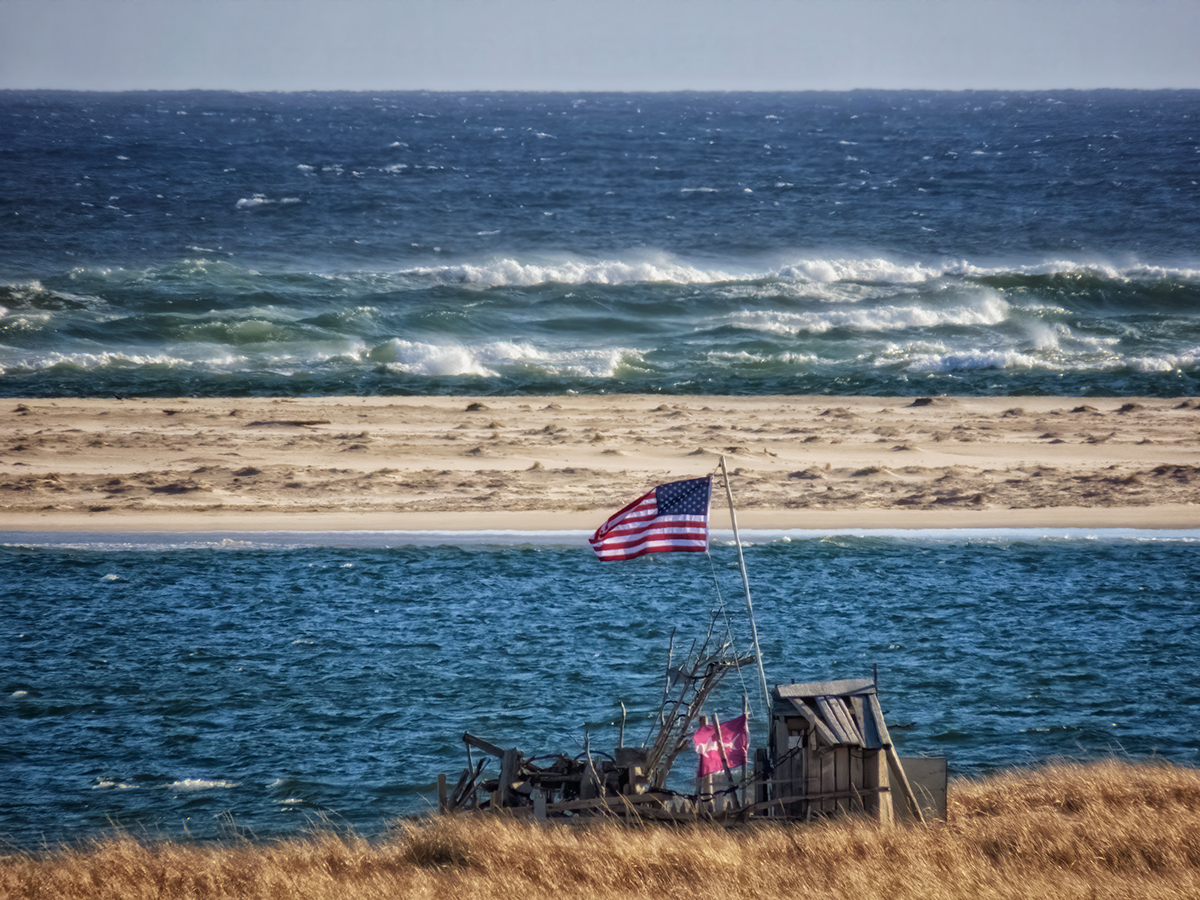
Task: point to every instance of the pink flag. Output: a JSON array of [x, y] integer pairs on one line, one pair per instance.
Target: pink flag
[[735, 738]]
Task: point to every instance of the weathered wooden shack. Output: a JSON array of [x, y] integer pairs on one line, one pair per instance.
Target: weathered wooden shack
[[831, 754]]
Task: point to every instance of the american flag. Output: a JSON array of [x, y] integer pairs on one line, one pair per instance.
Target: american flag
[[671, 517]]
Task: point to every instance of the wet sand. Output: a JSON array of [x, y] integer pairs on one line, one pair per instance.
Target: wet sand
[[530, 463]]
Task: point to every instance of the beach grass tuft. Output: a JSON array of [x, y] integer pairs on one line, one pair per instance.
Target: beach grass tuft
[[1110, 829]]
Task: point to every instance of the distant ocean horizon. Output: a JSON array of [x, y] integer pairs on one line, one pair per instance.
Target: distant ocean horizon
[[866, 242]]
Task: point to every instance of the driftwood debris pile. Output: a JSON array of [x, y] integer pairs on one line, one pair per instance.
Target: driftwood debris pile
[[828, 753], [630, 782]]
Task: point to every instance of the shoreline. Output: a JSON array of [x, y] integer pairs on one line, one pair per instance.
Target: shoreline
[[1173, 518], [553, 463]]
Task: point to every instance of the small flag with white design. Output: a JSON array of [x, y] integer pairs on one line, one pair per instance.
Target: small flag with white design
[[722, 745]]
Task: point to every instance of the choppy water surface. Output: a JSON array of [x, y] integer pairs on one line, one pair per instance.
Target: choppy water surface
[[854, 243], [202, 690]]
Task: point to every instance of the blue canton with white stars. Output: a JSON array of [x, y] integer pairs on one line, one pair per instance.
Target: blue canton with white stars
[[684, 498]]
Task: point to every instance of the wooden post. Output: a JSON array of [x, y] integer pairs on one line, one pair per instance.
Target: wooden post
[[441, 789], [760, 776], [893, 759], [905, 788], [720, 807], [877, 803], [746, 582], [637, 780], [539, 805], [509, 763], [591, 780]]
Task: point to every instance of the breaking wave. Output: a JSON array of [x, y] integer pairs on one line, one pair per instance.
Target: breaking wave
[[632, 322], [509, 271], [491, 359], [989, 311]]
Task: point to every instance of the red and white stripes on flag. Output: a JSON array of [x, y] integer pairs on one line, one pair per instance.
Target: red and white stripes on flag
[[672, 517]]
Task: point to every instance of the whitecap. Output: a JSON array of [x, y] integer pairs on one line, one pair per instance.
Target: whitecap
[[990, 310], [201, 784], [1110, 271], [511, 272], [975, 359], [419, 358], [734, 357], [872, 269], [90, 361], [259, 200], [489, 359], [1167, 362]]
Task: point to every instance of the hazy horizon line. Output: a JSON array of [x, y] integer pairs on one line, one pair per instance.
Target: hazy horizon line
[[874, 90]]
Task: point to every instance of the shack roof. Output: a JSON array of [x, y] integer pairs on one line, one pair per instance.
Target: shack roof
[[847, 687], [831, 712]]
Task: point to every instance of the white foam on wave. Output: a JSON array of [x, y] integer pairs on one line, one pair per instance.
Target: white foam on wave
[[419, 358], [966, 360], [1113, 272], [1167, 362], [491, 358], [745, 357], [33, 291], [870, 269], [511, 272], [11, 324], [507, 271], [113, 785], [259, 200], [990, 310], [90, 361], [201, 784], [122, 542]]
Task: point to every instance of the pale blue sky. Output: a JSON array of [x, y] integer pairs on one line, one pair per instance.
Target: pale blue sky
[[601, 45]]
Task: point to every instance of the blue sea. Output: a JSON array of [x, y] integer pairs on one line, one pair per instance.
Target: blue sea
[[892, 243], [895, 243], [263, 685]]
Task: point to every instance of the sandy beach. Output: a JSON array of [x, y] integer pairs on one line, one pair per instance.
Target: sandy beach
[[566, 462]]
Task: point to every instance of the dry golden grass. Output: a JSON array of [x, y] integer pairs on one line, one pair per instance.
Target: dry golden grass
[[1103, 830]]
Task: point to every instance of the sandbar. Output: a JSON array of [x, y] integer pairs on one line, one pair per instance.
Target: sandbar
[[567, 462]]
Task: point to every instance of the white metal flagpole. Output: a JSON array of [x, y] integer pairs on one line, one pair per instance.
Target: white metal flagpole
[[749, 604]]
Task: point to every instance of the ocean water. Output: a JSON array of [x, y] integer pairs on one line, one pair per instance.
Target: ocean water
[[847, 243], [289, 244], [212, 686]]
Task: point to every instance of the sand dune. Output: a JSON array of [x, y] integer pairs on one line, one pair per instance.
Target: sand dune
[[566, 462]]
